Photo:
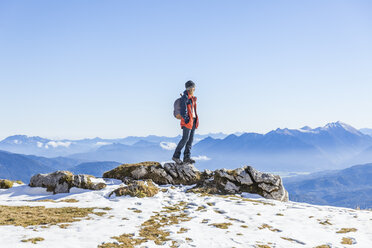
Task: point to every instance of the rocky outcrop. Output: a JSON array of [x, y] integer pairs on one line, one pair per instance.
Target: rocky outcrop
[[245, 179], [221, 181], [171, 173], [137, 188], [63, 181]]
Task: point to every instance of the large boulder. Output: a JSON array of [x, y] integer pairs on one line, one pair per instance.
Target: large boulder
[[63, 181], [171, 173]]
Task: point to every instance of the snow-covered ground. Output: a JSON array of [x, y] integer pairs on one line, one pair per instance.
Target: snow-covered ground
[[253, 223]]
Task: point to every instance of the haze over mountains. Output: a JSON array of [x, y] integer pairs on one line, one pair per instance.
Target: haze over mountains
[[334, 146], [52, 148], [350, 187], [324, 150]]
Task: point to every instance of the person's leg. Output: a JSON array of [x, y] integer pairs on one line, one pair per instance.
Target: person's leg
[[187, 151], [181, 144]]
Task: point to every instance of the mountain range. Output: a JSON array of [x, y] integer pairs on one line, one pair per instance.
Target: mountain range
[[21, 167], [350, 187], [333, 146], [35, 145]]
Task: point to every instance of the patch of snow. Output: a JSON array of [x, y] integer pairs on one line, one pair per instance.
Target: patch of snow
[[297, 221]]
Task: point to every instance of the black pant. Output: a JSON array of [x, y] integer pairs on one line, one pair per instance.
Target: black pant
[[187, 138]]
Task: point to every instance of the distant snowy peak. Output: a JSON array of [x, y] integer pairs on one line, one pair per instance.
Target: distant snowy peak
[[341, 126], [330, 127], [284, 131], [35, 141], [24, 139]]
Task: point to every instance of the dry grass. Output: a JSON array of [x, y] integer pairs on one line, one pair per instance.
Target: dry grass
[[323, 246], [153, 228], [293, 240], [5, 184], [224, 225], [346, 230], [244, 226], [33, 240], [219, 211], [183, 230], [64, 226], [99, 213], [200, 208], [202, 193], [106, 208], [263, 246], [347, 241], [39, 215], [136, 210], [43, 200], [126, 241], [257, 201], [268, 227], [139, 189], [234, 219], [325, 222], [54, 201], [71, 200]]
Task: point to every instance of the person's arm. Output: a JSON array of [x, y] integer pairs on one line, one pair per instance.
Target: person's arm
[[184, 113]]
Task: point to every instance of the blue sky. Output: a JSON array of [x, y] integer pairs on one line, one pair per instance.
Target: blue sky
[[74, 69]]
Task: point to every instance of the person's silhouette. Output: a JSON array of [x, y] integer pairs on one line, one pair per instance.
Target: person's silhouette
[[189, 122]]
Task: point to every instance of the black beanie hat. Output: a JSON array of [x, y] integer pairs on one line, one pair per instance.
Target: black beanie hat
[[189, 84]]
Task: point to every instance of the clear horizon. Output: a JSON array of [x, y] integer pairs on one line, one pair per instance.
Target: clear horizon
[[83, 69]]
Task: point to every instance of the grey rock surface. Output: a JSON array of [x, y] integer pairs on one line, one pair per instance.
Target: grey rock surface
[[63, 181]]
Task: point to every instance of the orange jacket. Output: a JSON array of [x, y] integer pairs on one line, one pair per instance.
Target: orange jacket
[[192, 100]]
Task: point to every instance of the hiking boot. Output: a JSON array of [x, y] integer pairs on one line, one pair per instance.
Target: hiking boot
[[177, 160], [188, 160]]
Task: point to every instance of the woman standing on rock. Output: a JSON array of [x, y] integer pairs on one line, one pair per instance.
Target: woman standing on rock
[[189, 122]]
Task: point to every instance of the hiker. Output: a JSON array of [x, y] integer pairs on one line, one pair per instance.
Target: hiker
[[189, 122]]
